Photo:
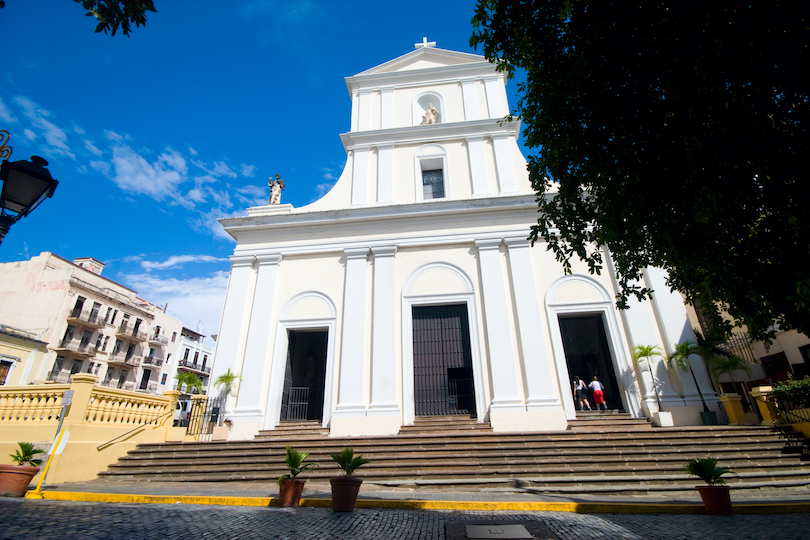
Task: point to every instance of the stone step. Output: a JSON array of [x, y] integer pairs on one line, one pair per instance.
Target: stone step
[[464, 452]]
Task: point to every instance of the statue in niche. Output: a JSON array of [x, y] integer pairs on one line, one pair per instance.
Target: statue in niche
[[431, 115], [276, 186]]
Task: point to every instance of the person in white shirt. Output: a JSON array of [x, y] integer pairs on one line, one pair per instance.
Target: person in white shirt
[[581, 394], [598, 393]]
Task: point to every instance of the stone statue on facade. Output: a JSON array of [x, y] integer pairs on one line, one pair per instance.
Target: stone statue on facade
[[276, 186], [431, 115]]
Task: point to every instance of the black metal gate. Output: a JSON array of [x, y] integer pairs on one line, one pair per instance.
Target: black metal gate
[[204, 416], [442, 361]]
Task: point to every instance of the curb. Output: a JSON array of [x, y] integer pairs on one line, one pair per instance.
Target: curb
[[579, 508]]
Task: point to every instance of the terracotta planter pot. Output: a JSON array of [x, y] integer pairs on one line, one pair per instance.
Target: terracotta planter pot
[[716, 499], [14, 479], [344, 492], [289, 492]]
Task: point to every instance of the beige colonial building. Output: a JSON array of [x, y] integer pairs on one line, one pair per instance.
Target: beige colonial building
[[410, 288], [83, 323]]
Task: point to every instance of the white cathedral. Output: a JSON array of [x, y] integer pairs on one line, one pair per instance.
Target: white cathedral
[[410, 289]]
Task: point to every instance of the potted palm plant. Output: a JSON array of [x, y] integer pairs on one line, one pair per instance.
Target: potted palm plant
[[345, 488], [290, 487], [646, 353], [679, 359], [715, 493], [225, 383], [14, 479]]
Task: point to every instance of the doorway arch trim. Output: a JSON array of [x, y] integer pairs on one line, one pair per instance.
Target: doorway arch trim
[[272, 415]]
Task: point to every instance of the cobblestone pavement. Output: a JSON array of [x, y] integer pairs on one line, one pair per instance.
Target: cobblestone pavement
[[22, 519]]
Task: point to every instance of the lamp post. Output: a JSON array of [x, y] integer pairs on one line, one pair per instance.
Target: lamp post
[[25, 185]]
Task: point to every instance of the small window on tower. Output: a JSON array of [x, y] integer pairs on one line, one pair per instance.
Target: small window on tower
[[432, 184]]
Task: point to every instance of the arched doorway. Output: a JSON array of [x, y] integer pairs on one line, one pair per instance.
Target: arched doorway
[[587, 354]]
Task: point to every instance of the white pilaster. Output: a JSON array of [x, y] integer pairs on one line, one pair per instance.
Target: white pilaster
[[257, 372], [385, 173], [383, 353], [536, 363], [386, 108], [350, 392], [673, 323], [494, 88], [364, 120], [229, 353], [503, 162], [360, 176], [478, 167], [470, 100], [505, 395]]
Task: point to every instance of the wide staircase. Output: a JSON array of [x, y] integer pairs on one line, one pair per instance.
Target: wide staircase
[[599, 453]]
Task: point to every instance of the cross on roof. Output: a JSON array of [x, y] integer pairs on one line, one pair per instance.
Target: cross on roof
[[425, 44]]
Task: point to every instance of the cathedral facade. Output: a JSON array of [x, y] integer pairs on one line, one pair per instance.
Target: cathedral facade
[[410, 289]]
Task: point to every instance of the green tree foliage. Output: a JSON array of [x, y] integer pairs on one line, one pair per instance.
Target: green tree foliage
[[679, 359], [796, 393], [675, 135], [189, 379], [113, 15], [348, 462]]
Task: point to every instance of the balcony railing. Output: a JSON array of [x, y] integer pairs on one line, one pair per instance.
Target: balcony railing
[[129, 332], [194, 367], [121, 358], [59, 376], [159, 339], [76, 347], [89, 318], [152, 361]]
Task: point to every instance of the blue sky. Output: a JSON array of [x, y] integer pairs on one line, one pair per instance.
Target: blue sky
[[155, 136]]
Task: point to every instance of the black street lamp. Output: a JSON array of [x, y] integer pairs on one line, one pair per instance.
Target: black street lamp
[[25, 185]]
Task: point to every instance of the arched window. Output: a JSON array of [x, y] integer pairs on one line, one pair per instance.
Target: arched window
[[431, 175]]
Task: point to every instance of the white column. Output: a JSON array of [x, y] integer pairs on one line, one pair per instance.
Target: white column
[[673, 323], [230, 347], [256, 368], [383, 353], [470, 101], [350, 392], [385, 173], [505, 395], [503, 163], [386, 108], [536, 363], [478, 167], [364, 120], [360, 176], [494, 88]]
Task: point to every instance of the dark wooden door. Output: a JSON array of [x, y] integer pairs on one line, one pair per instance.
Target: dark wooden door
[[442, 361]]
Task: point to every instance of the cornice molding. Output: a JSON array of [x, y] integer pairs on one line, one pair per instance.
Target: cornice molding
[[493, 127]]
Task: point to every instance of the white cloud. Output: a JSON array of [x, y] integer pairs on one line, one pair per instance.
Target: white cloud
[[178, 260], [208, 222], [113, 136], [192, 151], [92, 148], [196, 195], [191, 300], [55, 137], [248, 170], [324, 188], [221, 169], [101, 166], [159, 179], [6, 115], [78, 130], [251, 195], [30, 135]]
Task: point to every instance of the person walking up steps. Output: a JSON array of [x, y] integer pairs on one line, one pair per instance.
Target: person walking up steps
[[581, 394], [598, 393]]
